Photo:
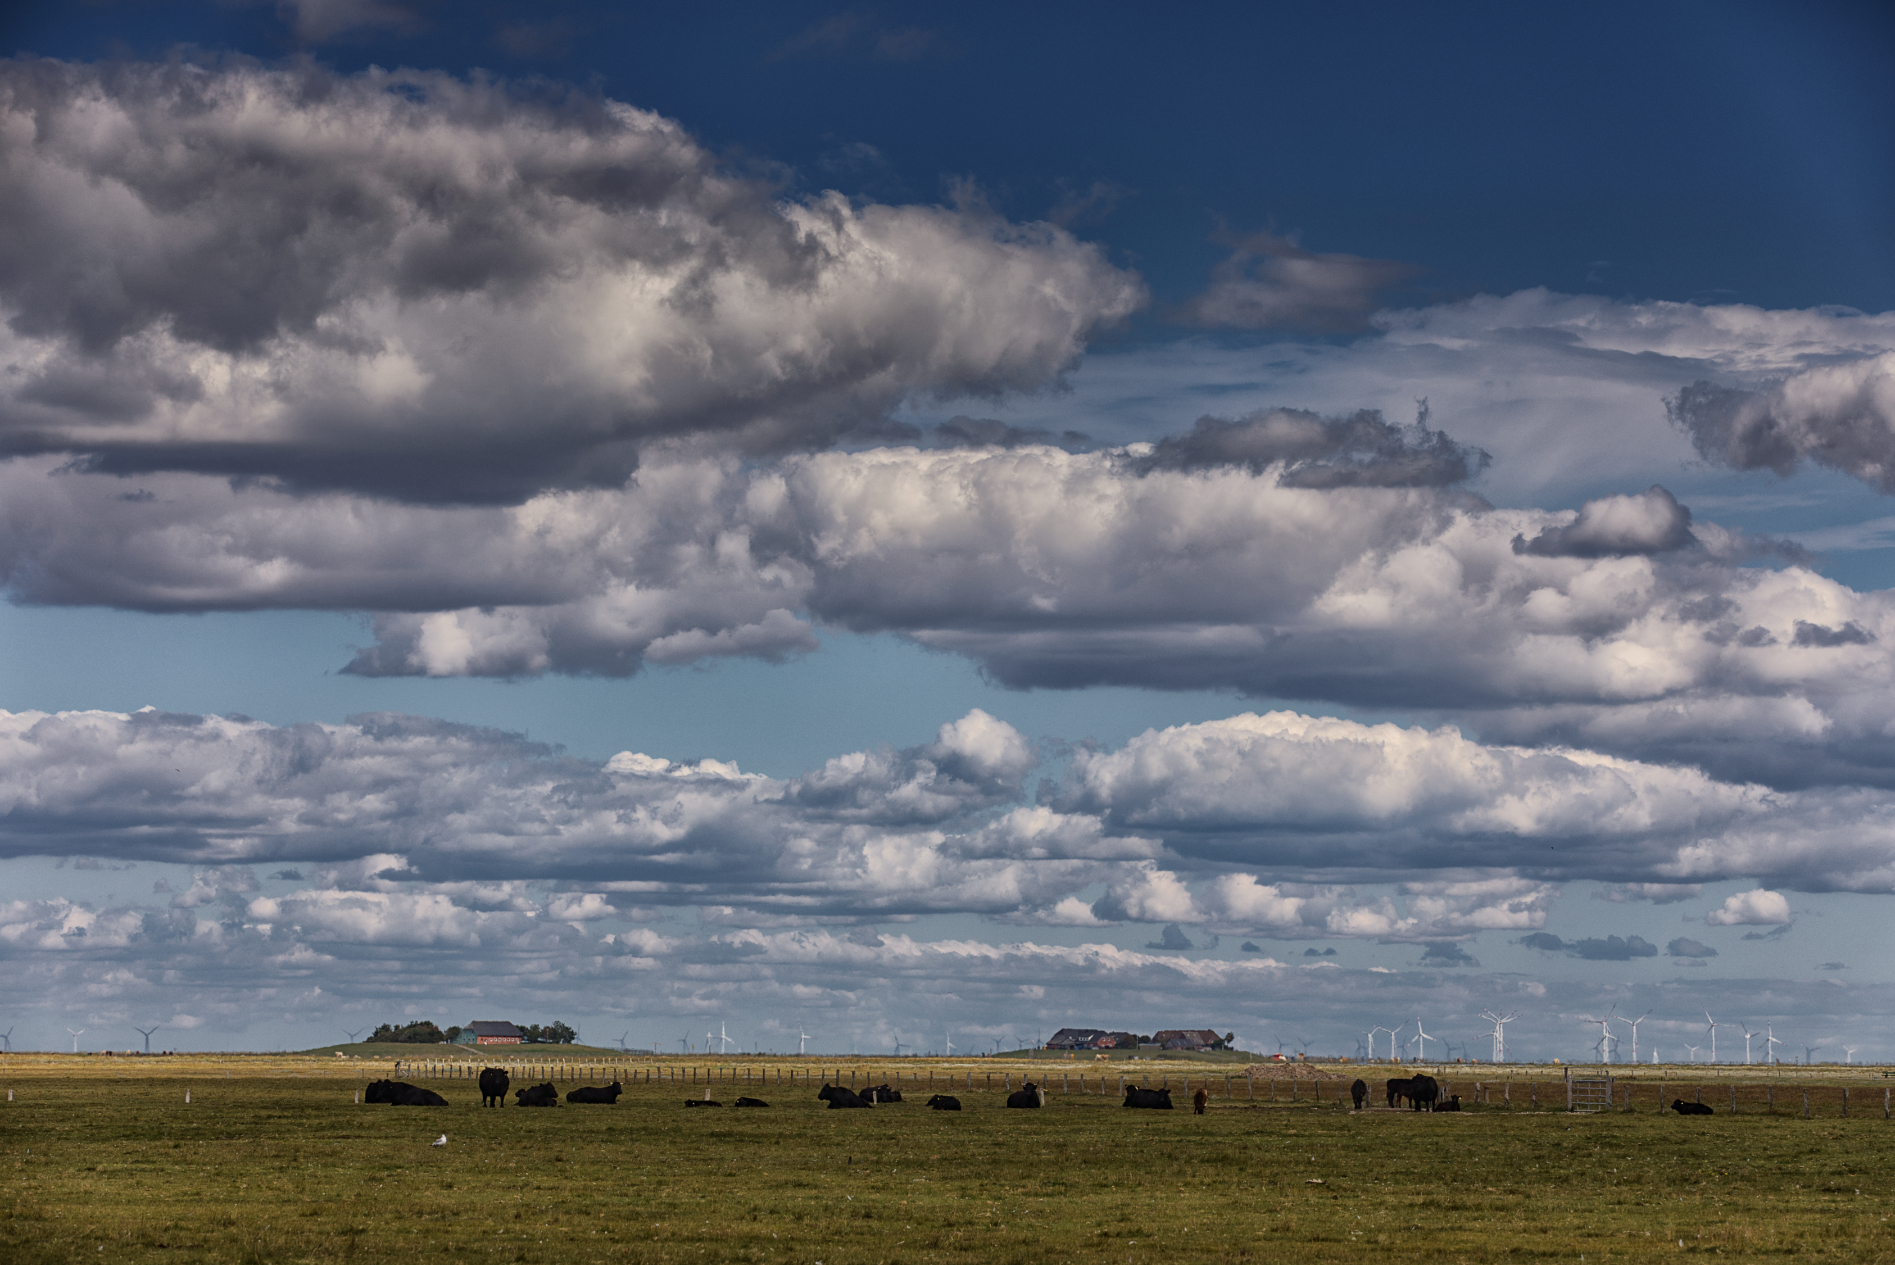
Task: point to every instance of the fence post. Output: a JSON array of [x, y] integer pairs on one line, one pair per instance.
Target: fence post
[[1533, 1094], [1227, 1086], [1845, 1102], [1806, 1104], [1733, 1100], [1569, 1089], [1250, 1086]]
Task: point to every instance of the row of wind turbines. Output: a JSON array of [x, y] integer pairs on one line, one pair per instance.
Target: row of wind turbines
[[1608, 1041], [1423, 1036]]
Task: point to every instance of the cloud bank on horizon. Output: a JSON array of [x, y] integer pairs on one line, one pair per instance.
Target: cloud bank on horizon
[[542, 387]]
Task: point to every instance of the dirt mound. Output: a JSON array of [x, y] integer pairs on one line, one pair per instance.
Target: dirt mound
[[1300, 1072]]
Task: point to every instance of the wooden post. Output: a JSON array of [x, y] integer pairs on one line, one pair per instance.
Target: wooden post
[[1569, 1089], [1273, 1089], [1769, 1099], [1294, 1087], [1506, 1095], [1806, 1104], [1226, 1086], [1733, 1100], [1533, 1093], [1845, 1102], [1065, 1083]]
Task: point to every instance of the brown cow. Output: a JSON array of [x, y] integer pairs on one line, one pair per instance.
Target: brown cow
[[1198, 1100]]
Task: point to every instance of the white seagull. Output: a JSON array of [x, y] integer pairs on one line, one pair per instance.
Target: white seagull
[[440, 1141]]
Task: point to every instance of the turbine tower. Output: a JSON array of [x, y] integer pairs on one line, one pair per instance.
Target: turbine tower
[[802, 1041], [1694, 1051], [949, 1038], [75, 1038], [353, 1035], [1420, 1040], [1711, 1026], [1809, 1054], [622, 1036], [1849, 1053], [1633, 1024], [722, 1040], [146, 1033], [1749, 1036], [1500, 1023], [1391, 1040], [7, 1037], [1605, 1036], [1770, 1042]]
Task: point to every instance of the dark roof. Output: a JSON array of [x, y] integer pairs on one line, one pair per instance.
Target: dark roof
[[494, 1028]]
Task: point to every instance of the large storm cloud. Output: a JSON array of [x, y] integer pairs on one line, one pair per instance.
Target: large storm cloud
[[436, 289]]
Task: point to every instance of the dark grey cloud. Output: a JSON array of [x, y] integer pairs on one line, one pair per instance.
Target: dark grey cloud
[[1850, 634], [1329, 952], [1613, 949], [1250, 947], [1172, 938], [1362, 450], [1684, 947], [1840, 415], [1832, 966], [1544, 941], [1269, 282], [431, 289], [1447, 953]]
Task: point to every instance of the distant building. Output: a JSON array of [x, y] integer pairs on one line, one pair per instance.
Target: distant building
[[490, 1032], [1188, 1039], [1087, 1039]]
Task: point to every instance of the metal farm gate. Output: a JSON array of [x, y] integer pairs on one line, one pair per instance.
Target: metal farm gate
[[1588, 1094]]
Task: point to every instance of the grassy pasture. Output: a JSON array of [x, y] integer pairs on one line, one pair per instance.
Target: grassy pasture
[[101, 1160]]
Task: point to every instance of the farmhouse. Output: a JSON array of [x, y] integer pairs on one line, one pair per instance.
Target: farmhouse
[[1088, 1039], [1188, 1039], [489, 1032]]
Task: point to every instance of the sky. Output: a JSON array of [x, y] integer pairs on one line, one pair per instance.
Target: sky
[[848, 526]]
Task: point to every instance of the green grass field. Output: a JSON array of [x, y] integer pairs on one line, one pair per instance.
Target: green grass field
[[106, 1163]]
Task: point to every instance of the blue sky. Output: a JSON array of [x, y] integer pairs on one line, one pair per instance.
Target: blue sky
[[863, 518]]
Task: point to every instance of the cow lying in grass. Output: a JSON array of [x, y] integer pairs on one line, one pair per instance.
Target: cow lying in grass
[[879, 1093], [750, 1102], [944, 1102], [1028, 1095], [1156, 1099], [702, 1102], [538, 1096], [836, 1096], [402, 1094], [608, 1094], [1684, 1108]]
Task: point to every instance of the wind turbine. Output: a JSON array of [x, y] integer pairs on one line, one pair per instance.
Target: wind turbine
[[1500, 1023], [802, 1041], [353, 1035], [722, 1040], [622, 1036], [1694, 1051], [1769, 1042], [75, 1039], [898, 1045], [7, 1037], [1749, 1036], [1849, 1053], [1712, 1029], [949, 1038], [1391, 1041], [684, 1044], [1809, 1054], [146, 1033], [1633, 1024], [1421, 1039], [1605, 1036]]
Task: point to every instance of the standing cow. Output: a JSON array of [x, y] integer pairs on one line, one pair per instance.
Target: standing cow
[[1198, 1100], [493, 1086], [1360, 1092], [1423, 1092]]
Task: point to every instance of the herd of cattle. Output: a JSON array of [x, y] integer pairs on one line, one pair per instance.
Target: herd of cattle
[[1421, 1093]]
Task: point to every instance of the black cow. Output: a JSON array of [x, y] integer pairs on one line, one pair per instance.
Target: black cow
[[1028, 1095], [1684, 1108], [402, 1094], [836, 1096], [1360, 1092], [607, 1094], [751, 1102], [543, 1095], [880, 1093], [1157, 1099], [702, 1102], [493, 1086], [945, 1102], [1398, 1090], [1452, 1104], [1423, 1091]]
